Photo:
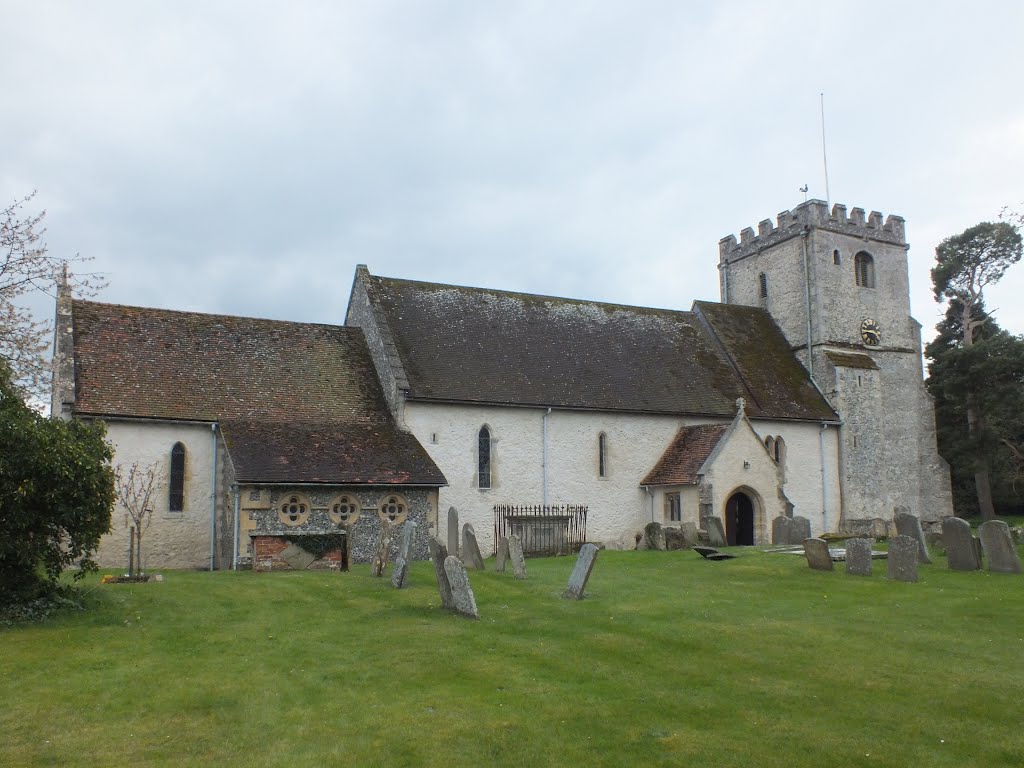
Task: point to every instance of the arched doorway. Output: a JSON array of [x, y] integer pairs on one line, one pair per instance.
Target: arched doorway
[[739, 520]]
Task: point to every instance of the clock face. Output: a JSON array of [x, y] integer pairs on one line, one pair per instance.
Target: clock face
[[870, 332]]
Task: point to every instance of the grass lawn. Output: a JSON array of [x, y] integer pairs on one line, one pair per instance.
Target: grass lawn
[[672, 660]]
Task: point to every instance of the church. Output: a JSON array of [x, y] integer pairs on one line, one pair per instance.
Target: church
[[289, 445]]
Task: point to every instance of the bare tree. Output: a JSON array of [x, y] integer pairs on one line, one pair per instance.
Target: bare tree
[[135, 486], [26, 267]]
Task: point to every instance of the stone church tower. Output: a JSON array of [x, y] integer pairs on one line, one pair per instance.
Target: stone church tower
[[837, 285]]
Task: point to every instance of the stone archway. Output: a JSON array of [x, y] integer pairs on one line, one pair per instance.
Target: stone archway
[[741, 519]]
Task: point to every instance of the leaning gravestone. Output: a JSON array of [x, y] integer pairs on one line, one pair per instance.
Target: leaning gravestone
[[858, 556], [999, 549], [675, 539], [655, 536], [515, 551], [716, 533], [901, 564], [818, 556], [960, 547], [780, 530], [910, 525], [462, 594], [453, 531], [470, 549], [689, 533], [799, 529], [401, 568], [501, 556], [438, 554], [581, 572]]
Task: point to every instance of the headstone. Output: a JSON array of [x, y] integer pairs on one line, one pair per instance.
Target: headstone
[[515, 552], [463, 598], [799, 529], [470, 549], [296, 557], [401, 568], [381, 550], [501, 557], [999, 549], [654, 536], [780, 530], [581, 572], [960, 548], [858, 556], [910, 525], [689, 533], [438, 554], [902, 560], [817, 554], [933, 539], [453, 531], [716, 533], [674, 539]]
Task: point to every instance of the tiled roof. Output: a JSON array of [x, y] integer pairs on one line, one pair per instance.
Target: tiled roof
[[285, 387], [685, 456], [484, 346]]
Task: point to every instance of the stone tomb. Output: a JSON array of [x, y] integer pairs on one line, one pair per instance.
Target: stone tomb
[[501, 556], [438, 554], [515, 551], [858, 556], [401, 568], [910, 525], [998, 545], [463, 598], [817, 554], [961, 550], [581, 572], [901, 564], [470, 549]]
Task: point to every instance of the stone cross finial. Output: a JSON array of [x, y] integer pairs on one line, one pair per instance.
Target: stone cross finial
[[741, 406]]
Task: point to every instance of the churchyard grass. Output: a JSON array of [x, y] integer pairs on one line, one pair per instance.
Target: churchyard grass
[[671, 660]]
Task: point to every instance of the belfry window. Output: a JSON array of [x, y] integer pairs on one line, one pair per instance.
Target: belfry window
[[483, 461], [762, 280], [864, 270], [176, 492]]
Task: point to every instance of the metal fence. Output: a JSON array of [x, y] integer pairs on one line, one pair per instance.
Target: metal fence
[[544, 529]]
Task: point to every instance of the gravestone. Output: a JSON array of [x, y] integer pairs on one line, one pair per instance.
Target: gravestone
[[462, 593], [401, 568], [438, 554], [382, 549], [470, 549], [515, 552], [858, 556], [960, 546], [901, 564], [654, 536], [999, 549], [910, 525], [780, 530], [453, 531], [581, 572], [689, 531], [817, 554], [296, 556], [674, 539], [501, 557], [716, 533], [799, 529]]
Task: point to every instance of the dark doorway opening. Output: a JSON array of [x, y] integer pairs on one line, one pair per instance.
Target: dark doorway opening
[[739, 520]]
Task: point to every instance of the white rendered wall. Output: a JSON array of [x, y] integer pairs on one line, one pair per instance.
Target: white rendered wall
[[173, 539]]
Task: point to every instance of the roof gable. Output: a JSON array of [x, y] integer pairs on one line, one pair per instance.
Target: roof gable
[[682, 461]]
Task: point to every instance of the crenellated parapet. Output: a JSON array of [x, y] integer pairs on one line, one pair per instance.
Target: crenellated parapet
[[813, 214]]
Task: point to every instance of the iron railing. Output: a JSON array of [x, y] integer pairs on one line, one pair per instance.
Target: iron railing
[[544, 529]]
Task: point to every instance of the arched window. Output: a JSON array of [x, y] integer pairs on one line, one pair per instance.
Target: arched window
[[864, 269], [483, 459], [176, 492], [836, 258], [602, 456], [763, 282], [780, 450], [769, 443]]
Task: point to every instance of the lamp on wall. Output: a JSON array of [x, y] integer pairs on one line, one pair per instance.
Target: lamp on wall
[[746, 465]]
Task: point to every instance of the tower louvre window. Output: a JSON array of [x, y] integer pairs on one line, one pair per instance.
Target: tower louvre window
[[864, 270], [763, 284]]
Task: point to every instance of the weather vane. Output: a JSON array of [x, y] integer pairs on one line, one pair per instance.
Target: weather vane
[[804, 190]]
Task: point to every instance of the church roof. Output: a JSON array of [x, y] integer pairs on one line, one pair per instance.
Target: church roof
[[685, 455], [299, 402], [477, 345]]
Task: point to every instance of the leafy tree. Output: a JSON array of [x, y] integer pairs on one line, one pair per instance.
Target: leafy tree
[[972, 354], [56, 496], [26, 267]]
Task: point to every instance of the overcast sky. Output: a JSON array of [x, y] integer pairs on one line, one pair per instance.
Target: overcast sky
[[243, 157]]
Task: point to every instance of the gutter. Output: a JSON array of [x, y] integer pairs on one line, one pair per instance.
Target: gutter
[[544, 457], [807, 296], [213, 501], [234, 548]]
